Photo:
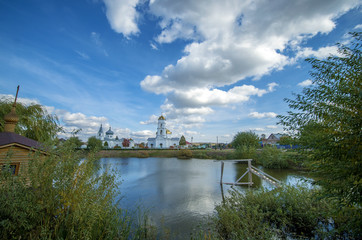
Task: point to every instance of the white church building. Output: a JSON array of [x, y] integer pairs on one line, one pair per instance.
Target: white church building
[[111, 141], [162, 140]]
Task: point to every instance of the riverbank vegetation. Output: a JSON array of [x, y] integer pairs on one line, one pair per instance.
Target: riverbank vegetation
[[326, 123], [63, 196]]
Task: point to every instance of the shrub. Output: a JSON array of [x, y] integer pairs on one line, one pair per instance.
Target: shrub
[[245, 152], [271, 157], [282, 213], [62, 197], [184, 154]]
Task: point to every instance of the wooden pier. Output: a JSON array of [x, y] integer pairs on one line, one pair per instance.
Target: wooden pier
[[250, 170]]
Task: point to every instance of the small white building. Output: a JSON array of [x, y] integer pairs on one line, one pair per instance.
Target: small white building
[[109, 140], [162, 140]]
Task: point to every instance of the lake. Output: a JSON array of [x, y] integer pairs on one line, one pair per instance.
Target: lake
[[178, 193]]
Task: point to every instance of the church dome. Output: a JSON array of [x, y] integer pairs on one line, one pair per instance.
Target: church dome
[[161, 118], [109, 132]]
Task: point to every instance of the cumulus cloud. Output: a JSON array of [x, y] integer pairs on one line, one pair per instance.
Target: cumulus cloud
[[122, 16], [305, 83], [321, 53], [227, 42], [262, 115]]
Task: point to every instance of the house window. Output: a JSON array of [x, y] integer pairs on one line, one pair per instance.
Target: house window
[[160, 145], [13, 168]]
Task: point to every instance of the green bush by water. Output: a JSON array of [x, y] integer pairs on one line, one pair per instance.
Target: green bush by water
[[271, 157], [64, 197]]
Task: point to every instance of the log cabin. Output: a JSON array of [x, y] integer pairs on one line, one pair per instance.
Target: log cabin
[[16, 150]]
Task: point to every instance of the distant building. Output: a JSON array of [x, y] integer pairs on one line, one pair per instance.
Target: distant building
[[162, 140], [110, 141], [273, 139]]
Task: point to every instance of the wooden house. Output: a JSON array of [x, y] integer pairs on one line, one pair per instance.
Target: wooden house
[[16, 150]]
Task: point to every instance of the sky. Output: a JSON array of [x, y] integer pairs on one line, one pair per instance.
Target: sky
[[211, 67]]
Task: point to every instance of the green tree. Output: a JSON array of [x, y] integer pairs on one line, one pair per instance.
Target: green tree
[[94, 144], [182, 141], [245, 144], [34, 121], [286, 140], [74, 141], [245, 139], [327, 118]]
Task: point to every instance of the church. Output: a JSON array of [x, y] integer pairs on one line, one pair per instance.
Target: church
[[162, 140], [110, 141]]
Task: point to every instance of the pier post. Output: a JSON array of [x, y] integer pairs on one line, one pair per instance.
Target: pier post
[[250, 173], [222, 171]]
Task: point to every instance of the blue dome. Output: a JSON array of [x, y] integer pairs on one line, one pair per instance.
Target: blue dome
[[109, 132]]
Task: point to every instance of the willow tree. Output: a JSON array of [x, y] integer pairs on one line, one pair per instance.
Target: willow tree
[[326, 117], [34, 121]]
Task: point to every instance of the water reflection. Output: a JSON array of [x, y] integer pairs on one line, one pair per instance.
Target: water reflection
[[177, 192]]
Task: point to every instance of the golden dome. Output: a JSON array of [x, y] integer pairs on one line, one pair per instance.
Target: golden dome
[[10, 120], [161, 118]]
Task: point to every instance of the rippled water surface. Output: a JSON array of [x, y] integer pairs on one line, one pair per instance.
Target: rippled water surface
[[180, 193]]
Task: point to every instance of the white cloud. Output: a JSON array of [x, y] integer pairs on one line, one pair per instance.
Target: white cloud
[[305, 83], [234, 40], [321, 53], [152, 120], [262, 115], [359, 26], [272, 127], [256, 129], [122, 16], [25, 101], [141, 136]]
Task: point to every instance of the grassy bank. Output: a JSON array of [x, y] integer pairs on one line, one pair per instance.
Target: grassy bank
[[169, 153], [266, 157]]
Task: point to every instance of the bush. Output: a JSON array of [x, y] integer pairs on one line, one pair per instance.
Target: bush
[[271, 157], [282, 213], [245, 152], [184, 154], [62, 197]]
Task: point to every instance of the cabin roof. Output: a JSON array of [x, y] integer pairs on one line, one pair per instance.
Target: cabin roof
[[7, 138]]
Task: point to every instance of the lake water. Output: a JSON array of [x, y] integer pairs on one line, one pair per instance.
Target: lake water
[[179, 194]]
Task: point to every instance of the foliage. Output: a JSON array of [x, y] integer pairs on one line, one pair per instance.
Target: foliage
[[63, 197], [182, 141], [94, 144], [184, 154], [271, 157], [245, 139], [34, 121], [245, 152], [125, 142], [74, 142], [286, 140], [327, 118], [282, 213]]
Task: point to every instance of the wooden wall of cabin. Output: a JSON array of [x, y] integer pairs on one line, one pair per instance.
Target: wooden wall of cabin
[[16, 156]]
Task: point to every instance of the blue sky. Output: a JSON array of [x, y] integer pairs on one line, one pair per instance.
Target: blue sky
[[211, 67]]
